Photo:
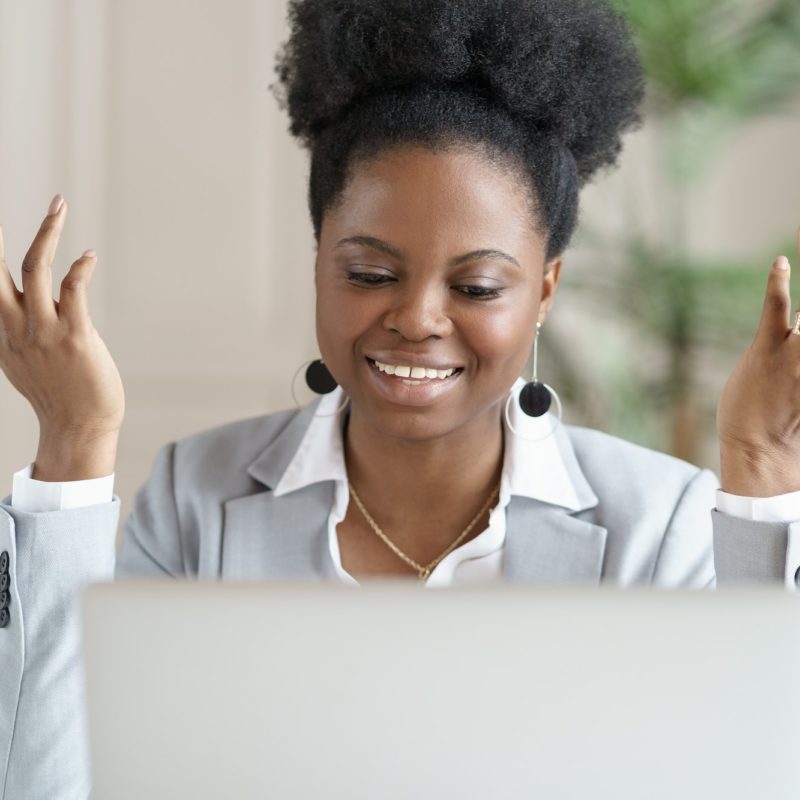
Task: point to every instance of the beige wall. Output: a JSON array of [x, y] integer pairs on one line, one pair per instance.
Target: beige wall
[[153, 118]]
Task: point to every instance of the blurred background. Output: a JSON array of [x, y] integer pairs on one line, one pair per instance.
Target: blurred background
[[155, 121]]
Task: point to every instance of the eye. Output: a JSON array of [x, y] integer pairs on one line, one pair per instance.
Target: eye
[[368, 278], [478, 292]]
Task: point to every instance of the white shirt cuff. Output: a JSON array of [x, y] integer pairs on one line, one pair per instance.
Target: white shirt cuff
[[29, 494], [780, 508]]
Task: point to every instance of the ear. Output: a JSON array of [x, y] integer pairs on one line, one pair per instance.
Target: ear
[[552, 271]]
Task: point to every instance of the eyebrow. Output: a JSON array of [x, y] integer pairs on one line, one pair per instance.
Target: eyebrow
[[385, 247]]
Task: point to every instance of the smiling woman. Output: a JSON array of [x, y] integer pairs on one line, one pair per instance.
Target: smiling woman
[[445, 166], [448, 140]]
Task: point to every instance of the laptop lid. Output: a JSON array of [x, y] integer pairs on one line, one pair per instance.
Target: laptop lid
[[390, 690]]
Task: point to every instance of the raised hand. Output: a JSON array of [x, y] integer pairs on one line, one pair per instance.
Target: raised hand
[[758, 415], [55, 358]]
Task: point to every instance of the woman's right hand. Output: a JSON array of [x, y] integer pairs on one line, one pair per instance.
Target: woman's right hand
[[55, 358]]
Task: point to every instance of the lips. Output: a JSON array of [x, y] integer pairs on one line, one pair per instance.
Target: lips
[[410, 391]]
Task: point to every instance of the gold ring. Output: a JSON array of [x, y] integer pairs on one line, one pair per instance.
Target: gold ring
[[796, 328]]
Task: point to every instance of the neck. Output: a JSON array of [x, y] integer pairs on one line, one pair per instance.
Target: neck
[[429, 486]]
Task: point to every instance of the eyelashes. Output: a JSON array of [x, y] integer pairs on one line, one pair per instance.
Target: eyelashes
[[478, 292], [373, 279], [368, 278]]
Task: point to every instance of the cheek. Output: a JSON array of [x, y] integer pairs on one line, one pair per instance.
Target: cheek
[[502, 337], [340, 320]]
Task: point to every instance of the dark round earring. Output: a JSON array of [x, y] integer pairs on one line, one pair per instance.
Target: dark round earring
[[319, 378], [534, 398], [320, 381]]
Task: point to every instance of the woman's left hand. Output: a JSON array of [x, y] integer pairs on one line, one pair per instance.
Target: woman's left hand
[[758, 414]]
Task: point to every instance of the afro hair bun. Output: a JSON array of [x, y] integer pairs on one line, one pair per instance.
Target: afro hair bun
[[564, 68]]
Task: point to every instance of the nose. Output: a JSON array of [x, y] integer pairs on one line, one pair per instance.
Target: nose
[[418, 313]]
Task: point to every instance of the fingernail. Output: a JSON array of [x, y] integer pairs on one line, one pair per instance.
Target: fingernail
[[782, 263], [55, 204], [89, 254]]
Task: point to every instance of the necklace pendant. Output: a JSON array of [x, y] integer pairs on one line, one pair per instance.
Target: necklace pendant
[[423, 576]]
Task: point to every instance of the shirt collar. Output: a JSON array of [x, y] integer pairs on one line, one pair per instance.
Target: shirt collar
[[544, 470]]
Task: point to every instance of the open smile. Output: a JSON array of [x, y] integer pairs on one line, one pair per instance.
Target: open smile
[[412, 385]]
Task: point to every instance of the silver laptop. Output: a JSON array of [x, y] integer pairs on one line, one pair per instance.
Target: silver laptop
[[391, 690]]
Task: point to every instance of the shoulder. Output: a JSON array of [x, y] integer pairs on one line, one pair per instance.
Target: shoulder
[[238, 436], [217, 458], [617, 467], [655, 508]]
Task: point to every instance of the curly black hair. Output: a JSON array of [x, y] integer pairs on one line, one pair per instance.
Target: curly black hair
[[547, 87]]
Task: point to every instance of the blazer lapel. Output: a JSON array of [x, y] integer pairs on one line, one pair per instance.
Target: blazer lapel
[[268, 537], [545, 542]]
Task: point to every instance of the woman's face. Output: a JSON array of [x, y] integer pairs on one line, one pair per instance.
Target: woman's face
[[431, 260]]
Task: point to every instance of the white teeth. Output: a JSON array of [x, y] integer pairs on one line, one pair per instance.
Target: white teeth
[[403, 371]]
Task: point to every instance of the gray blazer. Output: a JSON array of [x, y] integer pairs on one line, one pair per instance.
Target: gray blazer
[[206, 511]]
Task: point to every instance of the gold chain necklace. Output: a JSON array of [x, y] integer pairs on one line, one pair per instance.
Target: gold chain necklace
[[424, 572]]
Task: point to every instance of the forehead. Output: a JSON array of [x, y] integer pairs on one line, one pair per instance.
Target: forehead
[[437, 202]]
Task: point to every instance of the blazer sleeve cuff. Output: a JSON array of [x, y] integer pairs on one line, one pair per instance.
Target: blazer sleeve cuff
[[753, 551]]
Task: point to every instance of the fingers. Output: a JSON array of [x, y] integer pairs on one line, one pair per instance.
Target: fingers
[[73, 302], [37, 266], [775, 315]]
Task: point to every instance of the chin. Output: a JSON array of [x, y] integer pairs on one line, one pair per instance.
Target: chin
[[412, 425], [419, 423]]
